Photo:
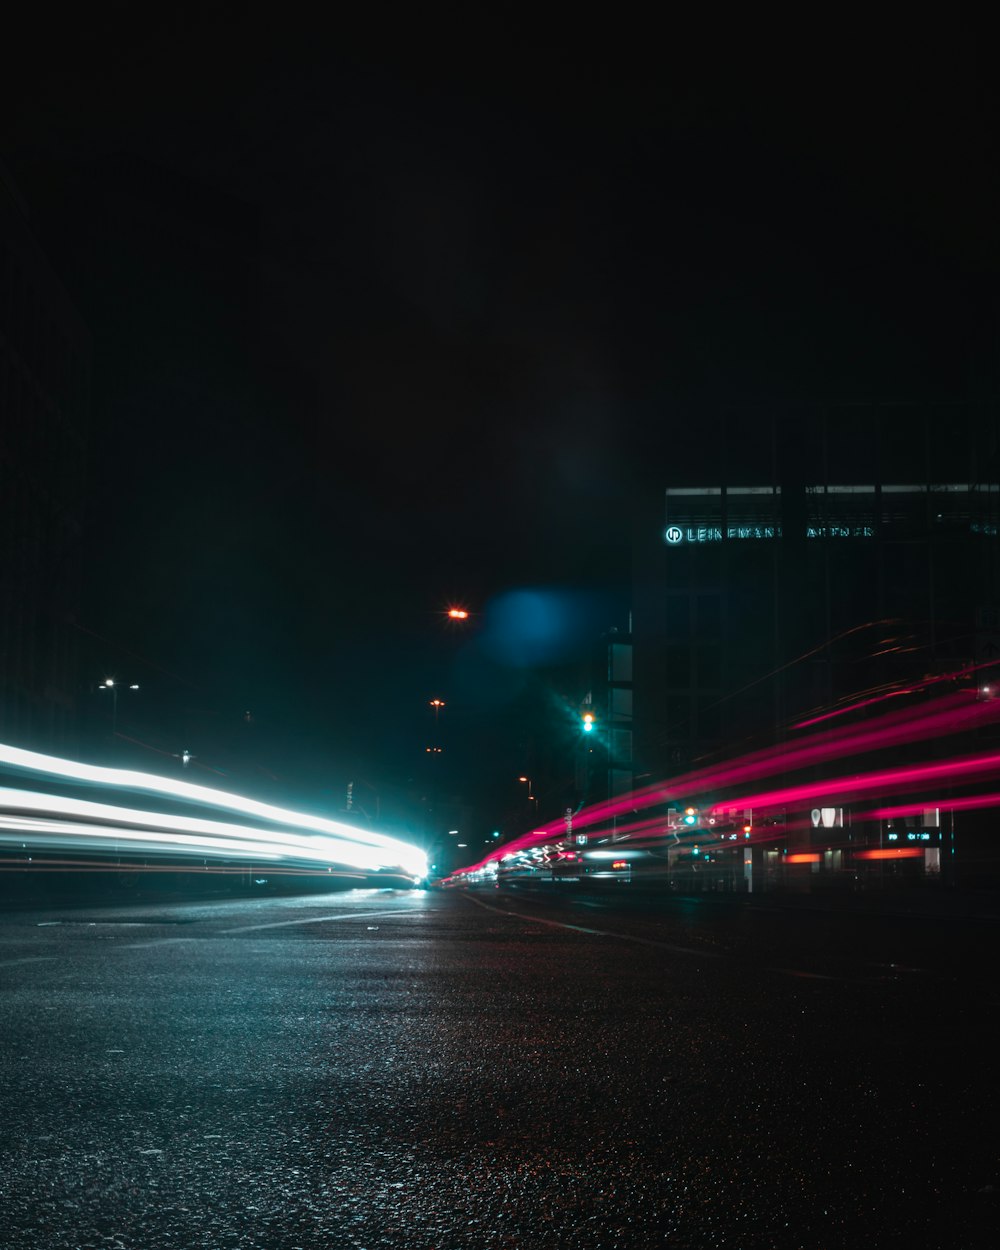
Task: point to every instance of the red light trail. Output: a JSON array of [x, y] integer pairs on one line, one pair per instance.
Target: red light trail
[[727, 789]]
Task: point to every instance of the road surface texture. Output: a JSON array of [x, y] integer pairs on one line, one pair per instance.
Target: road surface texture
[[416, 1070]]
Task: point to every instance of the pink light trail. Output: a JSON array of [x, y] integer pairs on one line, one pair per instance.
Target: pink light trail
[[953, 714]]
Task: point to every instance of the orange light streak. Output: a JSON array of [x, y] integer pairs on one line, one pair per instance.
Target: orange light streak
[[892, 852]]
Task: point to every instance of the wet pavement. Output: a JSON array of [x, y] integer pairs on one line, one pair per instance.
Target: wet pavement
[[426, 1069]]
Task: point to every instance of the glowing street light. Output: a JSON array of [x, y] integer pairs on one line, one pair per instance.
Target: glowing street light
[[458, 614], [531, 796]]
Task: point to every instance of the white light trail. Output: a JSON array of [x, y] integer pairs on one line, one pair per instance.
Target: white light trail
[[336, 843]]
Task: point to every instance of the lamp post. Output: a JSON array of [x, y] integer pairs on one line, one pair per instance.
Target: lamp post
[[437, 705], [434, 780], [531, 797], [109, 683]]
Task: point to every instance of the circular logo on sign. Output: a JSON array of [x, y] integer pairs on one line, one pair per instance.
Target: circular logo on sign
[[674, 535]]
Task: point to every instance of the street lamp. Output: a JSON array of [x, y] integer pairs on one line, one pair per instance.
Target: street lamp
[[109, 683], [531, 797], [437, 705]]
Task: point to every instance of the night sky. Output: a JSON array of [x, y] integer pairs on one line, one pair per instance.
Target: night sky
[[379, 329]]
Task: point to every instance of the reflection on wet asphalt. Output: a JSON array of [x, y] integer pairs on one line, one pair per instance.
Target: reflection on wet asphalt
[[392, 1069]]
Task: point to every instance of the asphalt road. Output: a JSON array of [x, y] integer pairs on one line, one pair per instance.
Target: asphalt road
[[417, 1070]]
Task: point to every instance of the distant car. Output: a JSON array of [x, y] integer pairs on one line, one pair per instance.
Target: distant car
[[619, 870]]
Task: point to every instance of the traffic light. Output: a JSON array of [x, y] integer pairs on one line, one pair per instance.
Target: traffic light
[[588, 722], [690, 815]]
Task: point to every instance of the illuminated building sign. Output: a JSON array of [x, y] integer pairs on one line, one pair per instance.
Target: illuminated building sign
[[711, 514], [674, 535]]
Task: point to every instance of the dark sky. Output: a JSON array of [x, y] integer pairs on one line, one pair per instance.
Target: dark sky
[[464, 299]]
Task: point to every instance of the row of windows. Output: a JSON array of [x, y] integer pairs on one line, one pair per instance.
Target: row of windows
[[918, 441]]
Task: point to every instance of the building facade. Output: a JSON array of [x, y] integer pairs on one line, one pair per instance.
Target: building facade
[[821, 562], [45, 363]]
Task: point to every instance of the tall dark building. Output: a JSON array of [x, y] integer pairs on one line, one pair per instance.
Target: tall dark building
[[166, 270], [45, 362], [770, 584], [820, 559]]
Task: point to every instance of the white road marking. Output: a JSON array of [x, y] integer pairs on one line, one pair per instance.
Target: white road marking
[[353, 915], [622, 937], [250, 928]]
